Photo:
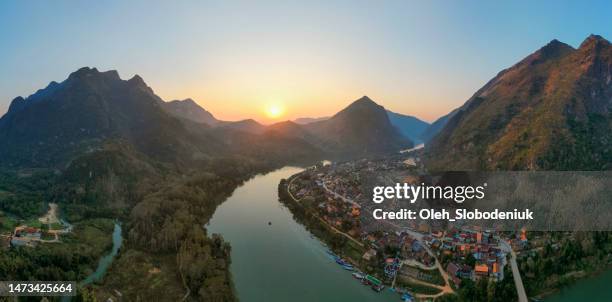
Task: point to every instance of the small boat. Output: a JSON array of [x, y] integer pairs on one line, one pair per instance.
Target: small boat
[[348, 267], [378, 288], [358, 276]]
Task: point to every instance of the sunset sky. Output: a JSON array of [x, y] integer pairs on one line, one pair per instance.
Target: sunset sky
[[295, 58]]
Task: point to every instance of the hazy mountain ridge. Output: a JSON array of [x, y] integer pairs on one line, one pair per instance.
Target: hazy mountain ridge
[[410, 126], [549, 111], [189, 109], [434, 128], [247, 125], [308, 120], [316, 133]]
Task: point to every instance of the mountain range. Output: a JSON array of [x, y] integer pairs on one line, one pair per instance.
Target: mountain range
[[91, 108], [550, 111], [66, 119]]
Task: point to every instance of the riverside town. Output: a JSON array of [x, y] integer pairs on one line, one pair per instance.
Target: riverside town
[[306, 151]]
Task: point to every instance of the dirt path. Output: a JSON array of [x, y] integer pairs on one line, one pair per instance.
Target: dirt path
[[51, 216]]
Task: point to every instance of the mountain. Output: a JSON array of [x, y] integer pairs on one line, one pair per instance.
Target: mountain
[[410, 126], [92, 112], [362, 128], [90, 107], [190, 110], [308, 120], [290, 129], [550, 111], [248, 126], [435, 127]]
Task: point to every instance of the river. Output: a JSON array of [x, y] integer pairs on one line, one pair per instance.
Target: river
[[281, 261], [596, 288], [105, 261]]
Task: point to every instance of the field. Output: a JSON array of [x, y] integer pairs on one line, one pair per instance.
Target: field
[[406, 283]]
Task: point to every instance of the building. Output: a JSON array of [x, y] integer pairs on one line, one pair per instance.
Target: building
[[481, 270]]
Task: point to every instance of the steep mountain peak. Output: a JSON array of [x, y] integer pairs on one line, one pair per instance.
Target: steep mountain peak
[[552, 50], [554, 47], [137, 80], [549, 111], [17, 104], [83, 71], [55, 124], [593, 41], [361, 128], [364, 100], [92, 72], [364, 105]]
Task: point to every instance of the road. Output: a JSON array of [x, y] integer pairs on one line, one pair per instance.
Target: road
[[518, 282]]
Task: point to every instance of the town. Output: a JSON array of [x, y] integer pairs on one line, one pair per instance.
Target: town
[[418, 260]]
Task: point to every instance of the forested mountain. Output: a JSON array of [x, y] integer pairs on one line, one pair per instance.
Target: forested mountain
[[361, 128], [549, 111], [64, 120]]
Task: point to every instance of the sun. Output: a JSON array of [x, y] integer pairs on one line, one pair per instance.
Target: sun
[[274, 111]]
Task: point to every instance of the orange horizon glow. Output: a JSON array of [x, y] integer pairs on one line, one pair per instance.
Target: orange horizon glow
[[313, 101], [234, 108]]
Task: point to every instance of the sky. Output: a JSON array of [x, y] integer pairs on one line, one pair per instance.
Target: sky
[[304, 58]]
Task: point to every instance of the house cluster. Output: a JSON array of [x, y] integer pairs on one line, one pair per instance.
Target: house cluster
[[460, 245], [333, 207], [413, 249], [25, 236], [456, 272]]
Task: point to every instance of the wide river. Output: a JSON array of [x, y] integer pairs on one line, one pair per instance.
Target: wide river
[[281, 261], [284, 262]]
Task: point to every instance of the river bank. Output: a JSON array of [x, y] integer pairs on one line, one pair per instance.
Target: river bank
[[105, 261], [595, 287]]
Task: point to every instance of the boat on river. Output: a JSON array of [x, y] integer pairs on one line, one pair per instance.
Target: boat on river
[[348, 267]]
